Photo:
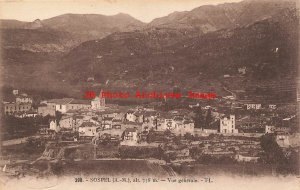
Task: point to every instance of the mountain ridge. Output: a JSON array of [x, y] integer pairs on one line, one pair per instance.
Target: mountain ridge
[[149, 60], [158, 58], [208, 18]]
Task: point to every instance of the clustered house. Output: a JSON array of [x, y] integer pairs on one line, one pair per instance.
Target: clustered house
[[19, 105], [144, 126]]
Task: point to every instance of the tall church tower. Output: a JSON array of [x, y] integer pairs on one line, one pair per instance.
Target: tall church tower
[[101, 99], [98, 102]]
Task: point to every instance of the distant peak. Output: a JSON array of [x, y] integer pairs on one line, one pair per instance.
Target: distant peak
[[37, 23], [123, 14]]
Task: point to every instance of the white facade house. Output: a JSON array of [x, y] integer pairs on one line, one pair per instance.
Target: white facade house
[[54, 126], [130, 116], [23, 99], [242, 70], [272, 106], [253, 106], [60, 105], [178, 126], [227, 125]]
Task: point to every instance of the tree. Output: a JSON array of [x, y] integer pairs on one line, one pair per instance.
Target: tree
[[293, 160], [208, 118], [167, 133], [188, 136], [198, 119], [274, 154], [14, 127], [58, 116]]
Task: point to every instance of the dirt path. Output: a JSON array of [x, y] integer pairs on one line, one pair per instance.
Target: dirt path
[[17, 141]]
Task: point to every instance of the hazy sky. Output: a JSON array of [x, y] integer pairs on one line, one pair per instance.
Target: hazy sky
[[144, 10]]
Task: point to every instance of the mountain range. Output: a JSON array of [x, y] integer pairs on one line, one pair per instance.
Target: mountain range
[[192, 50]]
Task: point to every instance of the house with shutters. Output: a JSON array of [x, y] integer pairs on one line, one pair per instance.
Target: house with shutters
[[88, 129], [13, 108], [227, 124], [130, 137]]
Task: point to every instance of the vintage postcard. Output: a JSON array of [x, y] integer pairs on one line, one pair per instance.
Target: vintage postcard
[[149, 94]]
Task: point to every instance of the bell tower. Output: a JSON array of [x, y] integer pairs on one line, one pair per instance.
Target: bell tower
[[101, 99]]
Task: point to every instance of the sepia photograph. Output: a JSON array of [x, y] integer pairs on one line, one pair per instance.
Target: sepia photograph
[[149, 94]]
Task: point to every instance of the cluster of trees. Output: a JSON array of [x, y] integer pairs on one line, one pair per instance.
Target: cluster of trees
[[208, 159], [275, 156], [34, 146], [197, 154], [201, 120], [14, 127], [141, 152]]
